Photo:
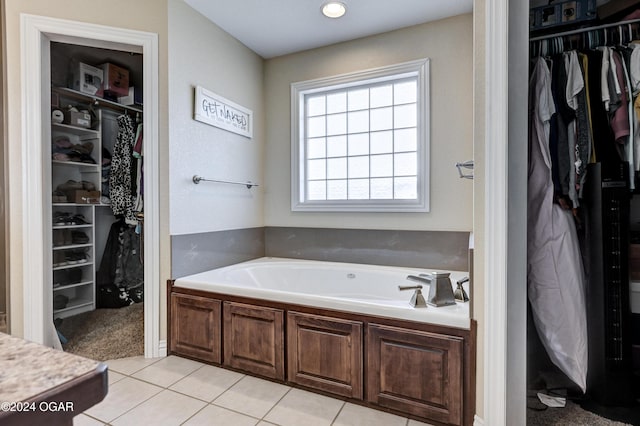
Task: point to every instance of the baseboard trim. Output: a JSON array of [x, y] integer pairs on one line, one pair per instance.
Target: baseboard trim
[[477, 421], [162, 348]]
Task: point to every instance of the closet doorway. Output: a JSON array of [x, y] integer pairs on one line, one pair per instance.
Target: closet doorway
[[97, 201], [39, 34]]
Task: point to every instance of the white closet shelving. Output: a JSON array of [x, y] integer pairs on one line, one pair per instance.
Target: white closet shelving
[[77, 247], [73, 268]]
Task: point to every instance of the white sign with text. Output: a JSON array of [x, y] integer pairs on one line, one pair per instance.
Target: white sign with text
[[220, 112]]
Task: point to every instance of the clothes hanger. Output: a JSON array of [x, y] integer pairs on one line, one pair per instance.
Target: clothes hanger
[[620, 35]]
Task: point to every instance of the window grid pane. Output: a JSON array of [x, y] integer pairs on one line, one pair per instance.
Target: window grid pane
[[359, 124]]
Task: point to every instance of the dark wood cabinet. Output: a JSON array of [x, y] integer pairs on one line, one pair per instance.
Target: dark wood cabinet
[[254, 339], [416, 372], [195, 327], [325, 353], [422, 370]]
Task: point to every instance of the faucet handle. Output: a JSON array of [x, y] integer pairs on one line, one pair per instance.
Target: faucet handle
[[460, 294], [409, 287], [417, 300]]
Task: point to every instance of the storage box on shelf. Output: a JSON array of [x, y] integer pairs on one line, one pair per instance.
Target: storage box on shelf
[[86, 78], [78, 119], [116, 79]]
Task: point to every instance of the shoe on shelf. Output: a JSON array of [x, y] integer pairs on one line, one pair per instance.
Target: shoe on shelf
[[67, 237], [80, 219], [62, 219], [59, 259], [59, 220], [74, 275], [60, 301], [79, 237], [84, 148], [58, 197], [81, 256], [60, 156], [71, 257], [60, 278], [61, 143], [86, 158], [69, 185], [88, 186], [58, 237]]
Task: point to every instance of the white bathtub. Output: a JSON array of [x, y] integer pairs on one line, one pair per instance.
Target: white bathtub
[[367, 289]]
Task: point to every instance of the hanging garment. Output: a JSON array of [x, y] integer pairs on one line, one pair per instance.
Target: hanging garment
[[578, 129], [106, 171], [584, 62], [138, 204], [603, 139], [120, 279], [120, 177], [555, 276], [628, 98], [564, 115], [619, 117]]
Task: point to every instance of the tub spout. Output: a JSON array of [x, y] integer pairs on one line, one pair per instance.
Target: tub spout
[[440, 289]]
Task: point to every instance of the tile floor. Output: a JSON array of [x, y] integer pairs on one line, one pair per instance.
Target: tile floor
[[178, 391]]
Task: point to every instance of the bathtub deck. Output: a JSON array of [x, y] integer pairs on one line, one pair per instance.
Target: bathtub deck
[[355, 288]]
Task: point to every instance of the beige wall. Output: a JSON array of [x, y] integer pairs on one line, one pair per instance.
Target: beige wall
[[118, 13], [478, 192], [221, 64], [448, 44]]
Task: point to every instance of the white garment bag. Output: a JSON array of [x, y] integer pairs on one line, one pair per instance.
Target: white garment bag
[[556, 282]]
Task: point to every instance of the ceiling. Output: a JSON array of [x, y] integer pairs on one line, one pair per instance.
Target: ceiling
[[277, 27]]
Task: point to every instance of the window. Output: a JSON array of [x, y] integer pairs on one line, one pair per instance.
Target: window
[[360, 141]]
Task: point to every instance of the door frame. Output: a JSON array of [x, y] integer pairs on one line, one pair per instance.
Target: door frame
[[36, 34], [505, 251]]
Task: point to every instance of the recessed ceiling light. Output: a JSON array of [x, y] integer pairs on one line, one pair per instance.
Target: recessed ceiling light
[[334, 9]]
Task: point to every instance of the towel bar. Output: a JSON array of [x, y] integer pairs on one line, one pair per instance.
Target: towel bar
[[197, 179]]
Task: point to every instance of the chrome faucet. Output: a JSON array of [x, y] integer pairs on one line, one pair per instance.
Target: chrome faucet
[[440, 289]]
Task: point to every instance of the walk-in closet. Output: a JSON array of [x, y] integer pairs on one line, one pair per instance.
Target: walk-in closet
[[583, 263], [97, 218]]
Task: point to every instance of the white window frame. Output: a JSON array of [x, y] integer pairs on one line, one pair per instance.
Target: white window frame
[[419, 69]]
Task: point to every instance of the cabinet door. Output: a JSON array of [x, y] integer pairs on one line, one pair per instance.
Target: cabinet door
[[416, 372], [254, 339], [195, 327], [325, 353]]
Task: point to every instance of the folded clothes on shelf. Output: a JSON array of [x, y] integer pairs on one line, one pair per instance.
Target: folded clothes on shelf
[[63, 150]]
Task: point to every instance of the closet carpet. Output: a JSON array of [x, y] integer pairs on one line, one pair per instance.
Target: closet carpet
[[571, 415], [105, 334]]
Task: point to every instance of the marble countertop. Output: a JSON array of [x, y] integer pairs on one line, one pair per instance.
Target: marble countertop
[[28, 369]]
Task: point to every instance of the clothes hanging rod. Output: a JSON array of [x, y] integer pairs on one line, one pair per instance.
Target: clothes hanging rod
[[585, 30], [197, 179], [95, 100]]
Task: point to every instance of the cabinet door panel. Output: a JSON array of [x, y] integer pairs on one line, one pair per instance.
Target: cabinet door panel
[[416, 372], [325, 353], [254, 339], [195, 327]]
